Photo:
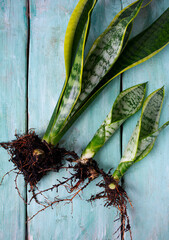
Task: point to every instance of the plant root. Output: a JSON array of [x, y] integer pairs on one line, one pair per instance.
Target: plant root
[[117, 198], [34, 166], [79, 174], [57, 200], [82, 172], [33, 158], [76, 183]]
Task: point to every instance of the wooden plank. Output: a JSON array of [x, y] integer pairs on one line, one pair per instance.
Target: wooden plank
[[13, 42], [147, 182], [49, 20]]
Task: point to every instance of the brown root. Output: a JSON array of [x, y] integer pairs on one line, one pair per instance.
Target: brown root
[[34, 158], [7, 173], [80, 177], [117, 198], [82, 172], [74, 185]]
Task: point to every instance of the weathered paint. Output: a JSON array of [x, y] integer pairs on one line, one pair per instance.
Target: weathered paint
[[47, 75], [147, 181], [13, 41]]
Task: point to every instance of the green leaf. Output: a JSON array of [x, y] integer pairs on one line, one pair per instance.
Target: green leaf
[[151, 113], [143, 46], [117, 32], [74, 32], [139, 49], [106, 50], [146, 144], [127, 35], [72, 87], [126, 104], [145, 133]]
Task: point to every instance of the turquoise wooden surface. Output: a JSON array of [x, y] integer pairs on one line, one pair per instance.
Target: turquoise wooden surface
[[48, 26], [13, 41], [146, 182]]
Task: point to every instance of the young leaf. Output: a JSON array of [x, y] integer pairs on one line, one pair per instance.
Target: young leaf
[[112, 42], [74, 32], [126, 104], [143, 46], [106, 50], [145, 133], [139, 49], [72, 87], [146, 144]]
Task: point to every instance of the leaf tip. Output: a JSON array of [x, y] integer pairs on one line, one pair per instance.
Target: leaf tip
[[144, 84], [162, 90]]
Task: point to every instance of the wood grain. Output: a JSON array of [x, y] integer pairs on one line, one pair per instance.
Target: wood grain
[[49, 20], [13, 42], [147, 181]]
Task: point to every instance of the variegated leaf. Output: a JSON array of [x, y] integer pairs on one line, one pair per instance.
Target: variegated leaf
[[138, 50], [106, 50], [145, 133], [131, 149], [126, 104], [146, 144], [142, 47], [74, 32], [120, 28], [72, 87]]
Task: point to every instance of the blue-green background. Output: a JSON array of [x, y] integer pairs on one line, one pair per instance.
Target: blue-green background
[[147, 183]]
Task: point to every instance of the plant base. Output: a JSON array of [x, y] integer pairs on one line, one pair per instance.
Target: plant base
[[117, 198], [33, 157]]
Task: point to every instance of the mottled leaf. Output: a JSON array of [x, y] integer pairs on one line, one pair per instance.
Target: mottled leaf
[[146, 144], [143, 46], [126, 104], [106, 50], [139, 49], [117, 32], [145, 133], [74, 32], [72, 87]]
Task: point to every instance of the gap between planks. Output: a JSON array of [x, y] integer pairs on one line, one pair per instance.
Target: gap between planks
[[27, 106]]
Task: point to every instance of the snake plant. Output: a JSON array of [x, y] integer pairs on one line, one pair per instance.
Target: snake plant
[[126, 104], [145, 134], [143, 138], [111, 54], [139, 146]]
